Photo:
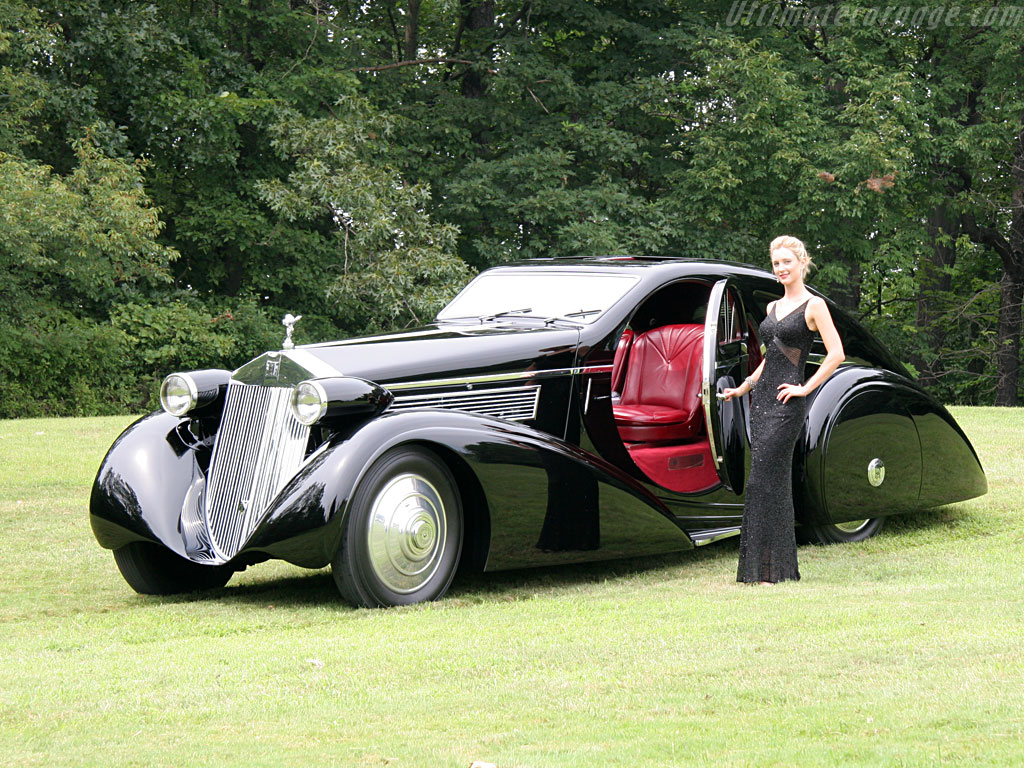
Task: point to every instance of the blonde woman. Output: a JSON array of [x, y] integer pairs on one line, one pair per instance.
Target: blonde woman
[[777, 407]]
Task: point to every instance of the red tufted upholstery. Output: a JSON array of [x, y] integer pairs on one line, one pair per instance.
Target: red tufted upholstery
[[661, 393], [619, 363]]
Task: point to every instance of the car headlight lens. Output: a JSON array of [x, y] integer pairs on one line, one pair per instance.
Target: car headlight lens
[[178, 394], [309, 402]]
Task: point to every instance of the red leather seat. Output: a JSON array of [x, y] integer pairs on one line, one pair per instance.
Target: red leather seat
[[621, 356], [661, 392]]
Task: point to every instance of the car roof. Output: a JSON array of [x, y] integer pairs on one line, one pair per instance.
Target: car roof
[[640, 265]]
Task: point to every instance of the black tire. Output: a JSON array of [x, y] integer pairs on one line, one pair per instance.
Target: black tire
[[841, 533], [151, 569], [403, 536]]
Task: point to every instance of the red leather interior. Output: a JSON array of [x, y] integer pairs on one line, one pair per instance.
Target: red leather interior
[[687, 468], [621, 356], [660, 399]]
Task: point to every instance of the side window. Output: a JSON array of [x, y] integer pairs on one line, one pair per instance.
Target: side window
[[683, 302], [730, 320], [761, 301]]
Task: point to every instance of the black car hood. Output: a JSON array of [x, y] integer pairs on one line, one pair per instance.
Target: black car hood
[[441, 351]]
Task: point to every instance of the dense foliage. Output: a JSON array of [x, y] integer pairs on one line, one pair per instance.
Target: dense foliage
[[175, 176]]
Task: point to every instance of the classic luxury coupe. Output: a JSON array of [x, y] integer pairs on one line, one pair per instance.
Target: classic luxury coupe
[[555, 411]]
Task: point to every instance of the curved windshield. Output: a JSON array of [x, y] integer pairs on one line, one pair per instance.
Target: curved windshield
[[578, 297]]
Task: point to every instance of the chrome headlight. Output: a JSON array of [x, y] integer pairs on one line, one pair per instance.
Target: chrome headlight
[[182, 393], [178, 394], [338, 399], [309, 402]]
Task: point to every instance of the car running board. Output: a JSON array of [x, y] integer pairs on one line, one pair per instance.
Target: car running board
[[708, 535]]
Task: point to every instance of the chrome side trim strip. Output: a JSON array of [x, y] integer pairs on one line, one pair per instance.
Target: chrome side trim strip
[[496, 377]]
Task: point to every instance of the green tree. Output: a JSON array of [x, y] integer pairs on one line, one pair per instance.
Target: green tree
[[70, 247], [393, 265]]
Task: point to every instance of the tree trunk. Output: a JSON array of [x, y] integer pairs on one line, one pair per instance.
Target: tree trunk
[[1011, 291], [479, 15], [933, 281], [1012, 288], [412, 31], [847, 293]]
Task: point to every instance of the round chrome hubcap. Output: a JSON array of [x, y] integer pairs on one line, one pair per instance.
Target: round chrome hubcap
[[876, 472], [406, 533], [852, 526]]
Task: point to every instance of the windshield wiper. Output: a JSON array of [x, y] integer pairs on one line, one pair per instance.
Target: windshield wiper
[[522, 311], [567, 318]]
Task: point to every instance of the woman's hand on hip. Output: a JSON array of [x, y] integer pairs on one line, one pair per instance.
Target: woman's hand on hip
[[787, 391]]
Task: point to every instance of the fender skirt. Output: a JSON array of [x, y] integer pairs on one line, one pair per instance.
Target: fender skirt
[[875, 444]]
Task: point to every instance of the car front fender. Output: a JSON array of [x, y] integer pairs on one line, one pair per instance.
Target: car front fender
[[538, 500], [141, 485]]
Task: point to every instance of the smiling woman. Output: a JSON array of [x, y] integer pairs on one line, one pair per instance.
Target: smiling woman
[[768, 538]]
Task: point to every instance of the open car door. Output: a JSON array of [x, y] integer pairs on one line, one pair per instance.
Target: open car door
[[725, 365]]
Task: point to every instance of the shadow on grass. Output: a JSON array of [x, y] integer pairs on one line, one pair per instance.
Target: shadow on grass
[[922, 520], [556, 577], [317, 588]]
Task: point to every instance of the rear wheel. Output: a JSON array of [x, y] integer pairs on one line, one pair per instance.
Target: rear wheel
[[839, 533], [151, 569], [403, 536]]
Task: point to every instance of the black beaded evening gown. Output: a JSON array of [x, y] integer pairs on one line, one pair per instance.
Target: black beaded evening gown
[[767, 538]]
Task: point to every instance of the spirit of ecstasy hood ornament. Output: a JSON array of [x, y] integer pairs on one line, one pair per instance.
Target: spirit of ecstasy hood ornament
[[289, 323]]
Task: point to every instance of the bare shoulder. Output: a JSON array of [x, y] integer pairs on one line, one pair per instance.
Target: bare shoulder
[[818, 314]]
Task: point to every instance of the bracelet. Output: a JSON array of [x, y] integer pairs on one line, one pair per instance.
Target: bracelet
[[750, 383]]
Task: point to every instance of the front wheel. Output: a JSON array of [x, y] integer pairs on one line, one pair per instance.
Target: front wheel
[[151, 569], [403, 535], [839, 533]]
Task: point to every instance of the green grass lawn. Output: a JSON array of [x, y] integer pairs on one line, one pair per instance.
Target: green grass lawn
[[906, 650]]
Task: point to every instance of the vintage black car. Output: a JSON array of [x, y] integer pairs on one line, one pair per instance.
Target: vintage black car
[[555, 411]]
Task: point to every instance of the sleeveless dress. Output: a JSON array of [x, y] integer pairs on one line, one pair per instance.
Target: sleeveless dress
[[767, 536]]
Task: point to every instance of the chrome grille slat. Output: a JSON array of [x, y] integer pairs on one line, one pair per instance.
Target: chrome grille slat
[[259, 447], [513, 403]]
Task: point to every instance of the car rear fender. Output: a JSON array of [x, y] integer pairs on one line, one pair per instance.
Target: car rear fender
[[876, 444]]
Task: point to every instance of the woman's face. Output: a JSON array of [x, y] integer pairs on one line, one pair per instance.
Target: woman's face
[[787, 266]]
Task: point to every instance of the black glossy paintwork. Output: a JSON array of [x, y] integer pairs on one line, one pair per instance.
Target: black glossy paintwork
[[141, 484], [862, 413], [211, 385], [451, 349], [350, 398], [561, 487], [530, 478]]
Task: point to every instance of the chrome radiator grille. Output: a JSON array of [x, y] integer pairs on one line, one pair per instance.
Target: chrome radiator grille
[[512, 403], [259, 447]]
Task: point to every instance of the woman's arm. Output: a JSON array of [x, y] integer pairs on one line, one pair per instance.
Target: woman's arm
[[820, 320], [746, 386]]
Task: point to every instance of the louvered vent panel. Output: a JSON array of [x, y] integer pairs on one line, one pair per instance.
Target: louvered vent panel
[[512, 403]]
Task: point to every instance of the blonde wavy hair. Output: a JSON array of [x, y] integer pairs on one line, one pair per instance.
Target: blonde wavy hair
[[797, 247]]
